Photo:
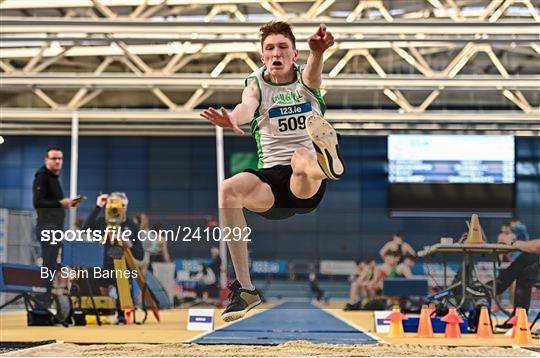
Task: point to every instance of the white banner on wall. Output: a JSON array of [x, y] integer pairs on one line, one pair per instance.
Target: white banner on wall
[[3, 234], [3, 243], [337, 267]]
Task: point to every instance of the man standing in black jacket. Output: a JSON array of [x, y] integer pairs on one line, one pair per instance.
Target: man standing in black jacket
[[49, 202]]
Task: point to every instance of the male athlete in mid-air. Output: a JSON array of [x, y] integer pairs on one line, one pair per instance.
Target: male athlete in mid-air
[[297, 148]]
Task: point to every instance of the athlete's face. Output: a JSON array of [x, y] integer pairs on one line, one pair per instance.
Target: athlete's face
[[278, 55]]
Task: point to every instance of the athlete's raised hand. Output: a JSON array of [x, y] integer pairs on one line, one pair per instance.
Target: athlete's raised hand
[[222, 118], [321, 40]]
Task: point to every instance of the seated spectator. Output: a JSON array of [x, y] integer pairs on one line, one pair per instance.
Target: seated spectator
[[364, 282], [385, 269], [398, 247], [206, 281], [157, 247], [374, 287], [215, 264], [520, 232], [209, 276], [505, 234], [316, 292], [519, 229], [404, 269], [356, 279]]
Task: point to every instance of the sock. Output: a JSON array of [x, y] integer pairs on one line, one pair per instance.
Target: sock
[[249, 287]]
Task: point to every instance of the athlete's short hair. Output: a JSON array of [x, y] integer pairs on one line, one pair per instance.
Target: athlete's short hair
[[277, 27]]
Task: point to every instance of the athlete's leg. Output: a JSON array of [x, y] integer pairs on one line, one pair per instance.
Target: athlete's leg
[[356, 287], [364, 290], [371, 292], [307, 174], [244, 190]]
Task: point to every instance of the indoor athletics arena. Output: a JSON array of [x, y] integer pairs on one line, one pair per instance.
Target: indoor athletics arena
[[270, 178]]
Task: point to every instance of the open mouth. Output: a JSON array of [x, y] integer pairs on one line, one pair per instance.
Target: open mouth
[[277, 63]]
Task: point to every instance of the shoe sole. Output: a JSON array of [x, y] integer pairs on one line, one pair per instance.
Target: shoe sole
[[233, 316], [324, 138]]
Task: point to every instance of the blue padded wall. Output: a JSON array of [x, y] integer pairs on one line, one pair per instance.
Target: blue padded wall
[[172, 177]]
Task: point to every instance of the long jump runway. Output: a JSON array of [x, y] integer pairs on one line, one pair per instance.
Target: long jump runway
[[289, 321]]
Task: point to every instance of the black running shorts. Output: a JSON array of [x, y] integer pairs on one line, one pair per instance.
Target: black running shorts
[[285, 203]]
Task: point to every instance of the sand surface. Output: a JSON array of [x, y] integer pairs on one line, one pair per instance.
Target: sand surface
[[290, 349], [165, 339]]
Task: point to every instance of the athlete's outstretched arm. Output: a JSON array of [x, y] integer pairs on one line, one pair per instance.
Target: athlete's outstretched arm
[[318, 43], [242, 113]]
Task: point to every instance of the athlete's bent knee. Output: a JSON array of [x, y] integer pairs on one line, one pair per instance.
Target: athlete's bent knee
[[229, 195], [299, 159]]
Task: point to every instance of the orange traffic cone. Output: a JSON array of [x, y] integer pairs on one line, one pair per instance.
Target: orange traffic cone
[[432, 308], [475, 231], [513, 321], [484, 324], [396, 324], [522, 335], [425, 329], [452, 320]]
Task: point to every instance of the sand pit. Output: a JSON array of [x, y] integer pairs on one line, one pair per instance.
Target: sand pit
[[291, 349]]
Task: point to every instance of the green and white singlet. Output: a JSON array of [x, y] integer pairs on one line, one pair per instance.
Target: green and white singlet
[[279, 124]]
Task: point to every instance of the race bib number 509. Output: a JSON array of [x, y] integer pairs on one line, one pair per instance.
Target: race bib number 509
[[286, 119]]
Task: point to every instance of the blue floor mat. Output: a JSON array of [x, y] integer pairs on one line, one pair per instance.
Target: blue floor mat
[[289, 321]]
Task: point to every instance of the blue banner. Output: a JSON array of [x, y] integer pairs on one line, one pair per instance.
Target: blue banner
[[289, 110], [269, 267]]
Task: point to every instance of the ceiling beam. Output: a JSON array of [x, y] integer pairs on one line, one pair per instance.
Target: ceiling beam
[[224, 82], [24, 25], [341, 116]]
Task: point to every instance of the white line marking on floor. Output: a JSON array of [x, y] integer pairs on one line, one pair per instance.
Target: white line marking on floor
[[233, 322], [329, 311]]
